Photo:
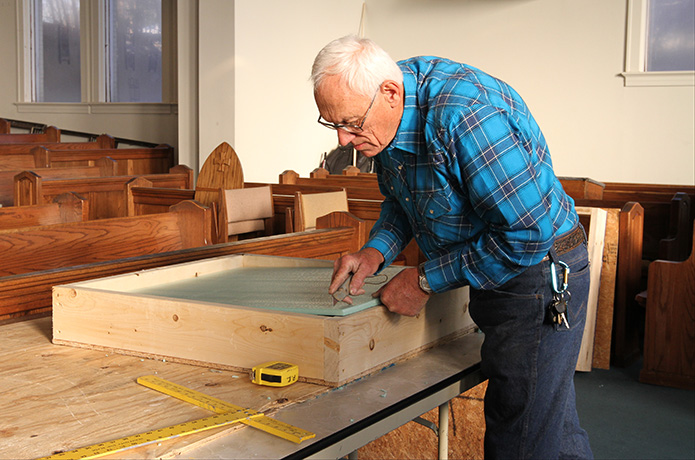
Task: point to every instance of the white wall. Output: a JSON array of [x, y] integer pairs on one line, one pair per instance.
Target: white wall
[[269, 45], [563, 56]]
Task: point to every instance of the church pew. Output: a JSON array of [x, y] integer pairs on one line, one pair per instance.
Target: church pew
[[20, 156], [65, 208], [103, 141], [30, 293], [106, 195], [336, 180], [645, 192], [38, 248], [143, 198], [103, 167], [50, 134], [576, 187], [669, 338], [131, 161], [355, 192], [5, 126]]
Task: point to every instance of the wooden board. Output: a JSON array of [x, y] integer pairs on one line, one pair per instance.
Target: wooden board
[[606, 296], [107, 314], [595, 241], [61, 398]]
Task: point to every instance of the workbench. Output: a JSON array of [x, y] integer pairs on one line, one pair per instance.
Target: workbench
[[59, 398]]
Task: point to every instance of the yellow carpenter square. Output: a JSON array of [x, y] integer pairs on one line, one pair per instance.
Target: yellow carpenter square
[[255, 419], [149, 437], [191, 396]]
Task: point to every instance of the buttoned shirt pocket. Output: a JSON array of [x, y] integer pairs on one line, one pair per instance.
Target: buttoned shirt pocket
[[432, 204]]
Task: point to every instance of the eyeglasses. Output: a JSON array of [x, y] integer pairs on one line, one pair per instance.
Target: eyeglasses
[[349, 127]]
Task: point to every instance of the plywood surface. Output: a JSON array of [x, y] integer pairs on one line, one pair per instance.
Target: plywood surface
[[59, 398]]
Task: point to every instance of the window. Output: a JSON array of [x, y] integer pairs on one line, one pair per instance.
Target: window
[[56, 51], [660, 44], [670, 35], [134, 51], [97, 51]]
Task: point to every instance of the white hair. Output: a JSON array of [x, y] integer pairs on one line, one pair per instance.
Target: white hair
[[360, 63]]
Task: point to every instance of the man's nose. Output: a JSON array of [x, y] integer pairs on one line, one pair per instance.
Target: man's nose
[[344, 137]]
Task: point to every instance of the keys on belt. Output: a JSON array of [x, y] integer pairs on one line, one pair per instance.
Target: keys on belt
[[561, 296]]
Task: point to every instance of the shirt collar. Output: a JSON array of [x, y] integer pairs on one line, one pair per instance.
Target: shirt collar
[[409, 135]]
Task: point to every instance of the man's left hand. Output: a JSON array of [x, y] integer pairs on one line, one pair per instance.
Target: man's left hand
[[402, 294]]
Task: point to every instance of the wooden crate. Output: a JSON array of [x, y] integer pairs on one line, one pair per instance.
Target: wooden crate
[[109, 314]]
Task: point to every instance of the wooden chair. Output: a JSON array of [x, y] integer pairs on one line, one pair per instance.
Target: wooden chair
[[309, 206], [245, 211]]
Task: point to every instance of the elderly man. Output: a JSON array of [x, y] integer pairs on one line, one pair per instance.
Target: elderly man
[[465, 170]]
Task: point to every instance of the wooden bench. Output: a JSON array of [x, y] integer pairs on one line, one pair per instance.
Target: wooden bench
[[45, 247], [103, 167], [106, 195], [659, 212], [131, 161], [65, 208], [20, 156], [50, 134], [30, 292], [669, 337], [144, 198], [575, 187], [645, 192]]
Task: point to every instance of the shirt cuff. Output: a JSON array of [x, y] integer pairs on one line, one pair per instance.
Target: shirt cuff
[[385, 245]]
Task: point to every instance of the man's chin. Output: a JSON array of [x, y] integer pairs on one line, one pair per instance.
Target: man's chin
[[367, 150]]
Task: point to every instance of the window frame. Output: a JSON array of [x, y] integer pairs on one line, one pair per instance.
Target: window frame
[[635, 53], [93, 65]]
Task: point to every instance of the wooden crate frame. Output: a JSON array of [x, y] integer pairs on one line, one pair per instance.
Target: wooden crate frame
[[99, 314]]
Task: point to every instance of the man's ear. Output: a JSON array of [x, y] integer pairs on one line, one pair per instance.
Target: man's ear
[[393, 92]]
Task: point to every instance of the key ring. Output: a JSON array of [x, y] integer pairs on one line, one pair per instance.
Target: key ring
[[565, 276]]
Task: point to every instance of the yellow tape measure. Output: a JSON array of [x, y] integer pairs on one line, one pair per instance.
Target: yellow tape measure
[[275, 374], [226, 414]]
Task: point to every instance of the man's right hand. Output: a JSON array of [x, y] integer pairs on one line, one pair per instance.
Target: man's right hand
[[360, 264]]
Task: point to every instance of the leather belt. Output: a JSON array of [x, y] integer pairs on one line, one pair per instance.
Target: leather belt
[[567, 242], [570, 240]]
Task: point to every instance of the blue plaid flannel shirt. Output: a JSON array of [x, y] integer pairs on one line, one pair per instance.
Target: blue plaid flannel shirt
[[469, 175]]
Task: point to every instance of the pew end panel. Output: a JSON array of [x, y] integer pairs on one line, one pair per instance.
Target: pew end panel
[[5, 126], [669, 337], [50, 134]]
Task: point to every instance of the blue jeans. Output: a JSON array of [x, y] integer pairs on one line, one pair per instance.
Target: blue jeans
[[530, 407]]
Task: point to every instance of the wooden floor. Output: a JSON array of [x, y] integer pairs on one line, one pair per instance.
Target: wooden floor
[[58, 398]]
